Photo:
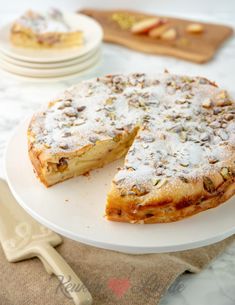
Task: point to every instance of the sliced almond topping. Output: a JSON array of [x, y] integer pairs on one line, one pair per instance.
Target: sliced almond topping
[[47, 145], [161, 183], [183, 136], [195, 28], [81, 108], [184, 163], [93, 139], [67, 103], [155, 181], [212, 159], [205, 137], [61, 106], [229, 117], [111, 115], [67, 134], [225, 173], [223, 135], [162, 136], [70, 112], [207, 103], [183, 179], [109, 101], [208, 185], [223, 99], [64, 146], [139, 190]]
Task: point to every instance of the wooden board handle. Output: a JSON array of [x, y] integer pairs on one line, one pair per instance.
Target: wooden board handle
[[54, 263]]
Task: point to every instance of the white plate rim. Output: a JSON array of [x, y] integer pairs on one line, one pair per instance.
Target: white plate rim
[[45, 66], [50, 73], [110, 246], [67, 77]]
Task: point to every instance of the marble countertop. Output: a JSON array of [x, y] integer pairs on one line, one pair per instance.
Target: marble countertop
[[18, 99]]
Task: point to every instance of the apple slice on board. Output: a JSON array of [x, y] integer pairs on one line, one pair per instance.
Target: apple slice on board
[[158, 31], [146, 25], [187, 45]]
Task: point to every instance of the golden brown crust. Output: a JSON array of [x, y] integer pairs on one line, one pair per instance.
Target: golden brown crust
[[187, 211], [174, 202]]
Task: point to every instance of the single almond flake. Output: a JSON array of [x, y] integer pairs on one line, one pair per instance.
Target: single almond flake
[[222, 99], [93, 139], [47, 145], [182, 178], [70, 113], [184, 163], [208, 185], [183, 136], [225, 173], [64, 145], [155, 181], [81, 108], [223, 134], [67, 134], [207, 103], [67, 103], [213, 159], [229, 117], [161, 183], [61, 107], [109, 101], [205, 136]]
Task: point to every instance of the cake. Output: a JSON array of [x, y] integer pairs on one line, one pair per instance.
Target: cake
[[177, 134], [50, 30]]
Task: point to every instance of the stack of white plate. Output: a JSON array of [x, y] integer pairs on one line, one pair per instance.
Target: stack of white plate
[[53, 64]]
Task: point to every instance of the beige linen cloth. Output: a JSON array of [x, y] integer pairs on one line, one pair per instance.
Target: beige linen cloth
[[112, 277]]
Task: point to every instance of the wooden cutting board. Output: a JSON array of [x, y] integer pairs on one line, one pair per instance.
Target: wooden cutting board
[[198, 48]]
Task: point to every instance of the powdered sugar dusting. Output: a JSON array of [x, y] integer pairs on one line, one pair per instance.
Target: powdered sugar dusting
[[186, 125], [50, 22]]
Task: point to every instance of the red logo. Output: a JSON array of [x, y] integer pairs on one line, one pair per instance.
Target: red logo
[[119, 286]]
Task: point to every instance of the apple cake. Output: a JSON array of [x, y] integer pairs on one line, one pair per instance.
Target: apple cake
[[50, 30], [177, 134]]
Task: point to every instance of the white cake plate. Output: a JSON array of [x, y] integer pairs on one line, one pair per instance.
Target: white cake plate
[[75, 209]]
